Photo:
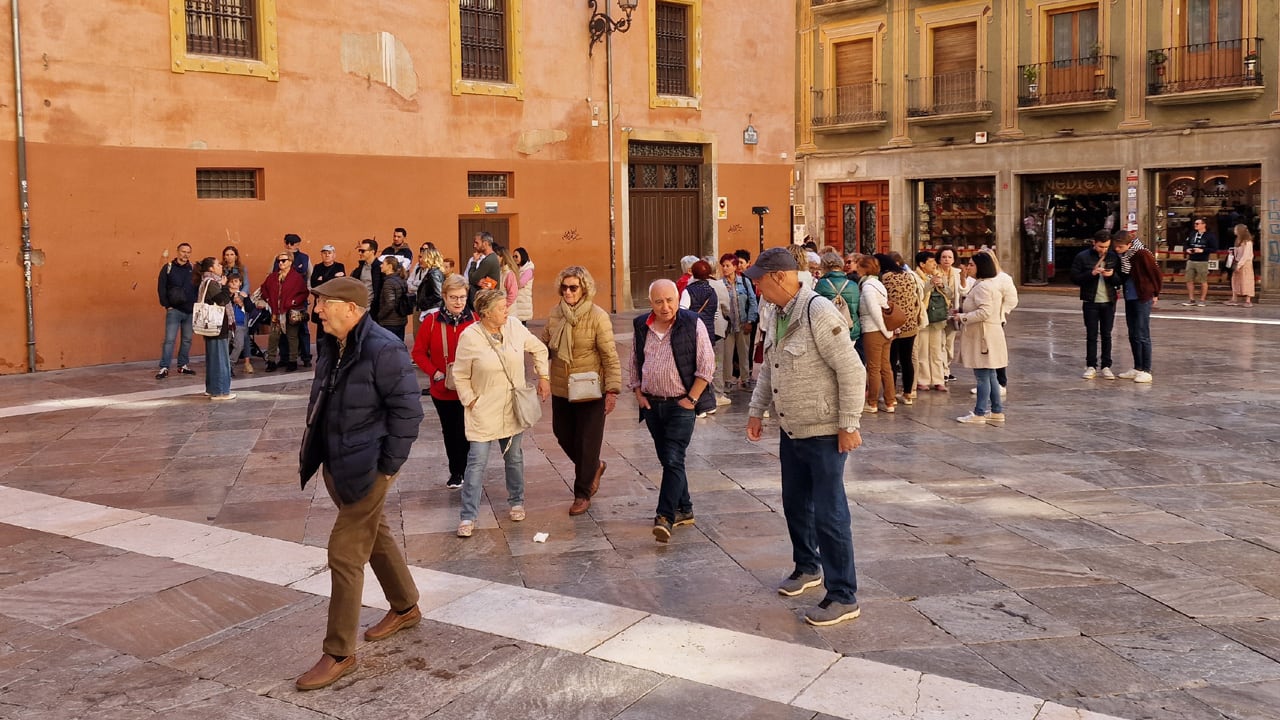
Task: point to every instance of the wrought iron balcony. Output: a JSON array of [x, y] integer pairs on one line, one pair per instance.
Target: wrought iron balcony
[[948, 94], [1085, 79], [1205, 66], [849, 105]]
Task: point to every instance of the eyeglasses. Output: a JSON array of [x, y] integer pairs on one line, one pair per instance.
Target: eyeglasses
[[570, 288], [455, 298]]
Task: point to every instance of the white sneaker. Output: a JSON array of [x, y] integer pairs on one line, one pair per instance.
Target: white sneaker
[[1128, 375], [722, 400], [972, 419], [1090, 373], [973, 391], [1107, 374], [1004, 392], [1142, 377]]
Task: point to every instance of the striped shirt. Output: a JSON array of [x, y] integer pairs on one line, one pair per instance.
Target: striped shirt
[[661, 376]]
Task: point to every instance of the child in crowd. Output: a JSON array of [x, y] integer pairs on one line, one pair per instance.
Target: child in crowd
[[238, 338]]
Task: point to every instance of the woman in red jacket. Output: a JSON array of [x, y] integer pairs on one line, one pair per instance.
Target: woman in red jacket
[[284, 293], [434, 348]]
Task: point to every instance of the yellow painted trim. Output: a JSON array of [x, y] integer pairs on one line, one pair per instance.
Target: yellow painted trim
[[953, 14], [268, 67], [515, 57], [872, 28], [1042, 34], [694, 99]]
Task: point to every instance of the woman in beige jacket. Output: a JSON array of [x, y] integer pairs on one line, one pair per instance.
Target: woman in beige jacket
[[982, 343], [488, 365], [579, 335]]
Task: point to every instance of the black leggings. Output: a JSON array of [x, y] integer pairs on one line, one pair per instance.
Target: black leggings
[[900, 357]]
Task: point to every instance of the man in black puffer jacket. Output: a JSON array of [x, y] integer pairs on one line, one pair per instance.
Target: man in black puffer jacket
[[177, 290], [362, 419]]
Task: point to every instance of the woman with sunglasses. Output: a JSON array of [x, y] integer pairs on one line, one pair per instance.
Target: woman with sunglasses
[[579, 336], [284, 293]]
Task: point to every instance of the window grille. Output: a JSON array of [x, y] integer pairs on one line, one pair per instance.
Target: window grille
[[488, 184], [223, 183], [672, 36], [484, 39], [226, 28]]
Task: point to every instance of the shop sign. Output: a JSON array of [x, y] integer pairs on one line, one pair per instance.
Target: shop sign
[[1082, 184]]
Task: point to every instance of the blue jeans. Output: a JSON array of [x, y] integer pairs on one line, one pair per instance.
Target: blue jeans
[[173, 321], [217, 361], [817, 512], [988, 392], [671, 427], [473, 478], [1098, 319], [1137, 315]]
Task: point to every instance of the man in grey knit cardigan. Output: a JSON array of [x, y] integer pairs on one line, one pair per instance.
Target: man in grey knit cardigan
[[814, 381]]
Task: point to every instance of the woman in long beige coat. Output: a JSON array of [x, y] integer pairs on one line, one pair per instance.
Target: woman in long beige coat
[[489, 363], [579, 335], [982, 343], [1242, 261]]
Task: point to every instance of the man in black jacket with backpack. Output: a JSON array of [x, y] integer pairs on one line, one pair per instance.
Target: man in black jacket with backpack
[[177, 290]]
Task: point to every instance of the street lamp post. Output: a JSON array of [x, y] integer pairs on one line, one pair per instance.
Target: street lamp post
[[602, 26]]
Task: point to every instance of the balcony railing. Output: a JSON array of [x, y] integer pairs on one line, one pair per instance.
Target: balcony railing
[[1205, 66], [1075, 80], [849, 105], [948, 94]]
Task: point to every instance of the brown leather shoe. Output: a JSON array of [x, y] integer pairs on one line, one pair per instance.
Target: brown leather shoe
[[326, 672], [595, 481], [579, 506], [392, 623]]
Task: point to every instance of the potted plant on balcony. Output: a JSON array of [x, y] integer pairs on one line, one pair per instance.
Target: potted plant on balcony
[[1157, 58], [1251, 65], [1031, 74]]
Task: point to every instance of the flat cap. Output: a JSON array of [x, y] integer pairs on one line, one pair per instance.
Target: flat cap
[[771, 260], [344, 288]]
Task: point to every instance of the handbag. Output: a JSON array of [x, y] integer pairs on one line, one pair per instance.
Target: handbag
[[894, 317], [524, 399], [584, 386], [207, 320], [937, 307], [448, 366]]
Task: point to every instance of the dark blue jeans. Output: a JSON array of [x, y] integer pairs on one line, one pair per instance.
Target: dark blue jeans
[[817, 512], [1098, 319], [1137, 315], [672, 428]]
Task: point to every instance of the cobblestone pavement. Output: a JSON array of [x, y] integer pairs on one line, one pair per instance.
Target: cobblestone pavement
[[1112, 549]]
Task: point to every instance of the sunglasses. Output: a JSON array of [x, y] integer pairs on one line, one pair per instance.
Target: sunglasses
[[282, 260], [570, 288]]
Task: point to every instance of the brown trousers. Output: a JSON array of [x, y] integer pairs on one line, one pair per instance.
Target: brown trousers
[[360, 535]]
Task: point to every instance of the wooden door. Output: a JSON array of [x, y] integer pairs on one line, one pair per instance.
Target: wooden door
[[498, 227], [857, 217], [664, 184], [955, 69], [1214, 54], [1070, 77]]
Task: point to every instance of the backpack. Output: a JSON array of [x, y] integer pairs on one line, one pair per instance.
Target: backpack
[[405, 303], [846, 315], [937, 307]]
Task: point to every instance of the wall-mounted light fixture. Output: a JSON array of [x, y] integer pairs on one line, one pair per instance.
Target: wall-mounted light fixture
[[602, 23]]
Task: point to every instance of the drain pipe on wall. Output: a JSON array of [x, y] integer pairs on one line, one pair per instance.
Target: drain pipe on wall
[[23, 198]]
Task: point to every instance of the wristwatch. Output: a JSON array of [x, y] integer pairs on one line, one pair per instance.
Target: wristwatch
[[849, 430]]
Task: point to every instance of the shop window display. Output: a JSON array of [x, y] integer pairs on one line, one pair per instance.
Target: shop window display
[[1224, 196], [1061, 216], [960, 212]]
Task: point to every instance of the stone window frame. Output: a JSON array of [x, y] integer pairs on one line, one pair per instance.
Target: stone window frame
[[514, 86], [267, 66], [694, 99]]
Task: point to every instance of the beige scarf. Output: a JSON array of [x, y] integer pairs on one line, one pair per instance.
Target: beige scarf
[[572, 314]]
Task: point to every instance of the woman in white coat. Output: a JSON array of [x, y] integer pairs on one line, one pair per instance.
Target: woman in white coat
[[489, 364], [982, 343]]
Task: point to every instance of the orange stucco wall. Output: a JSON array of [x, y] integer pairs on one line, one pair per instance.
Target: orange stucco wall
[[115, 138]]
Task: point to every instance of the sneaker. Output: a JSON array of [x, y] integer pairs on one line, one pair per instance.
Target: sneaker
[[1128, 375], [1200, 304], [1090, 373], [890, 408], [228, 396], [870, 409], [995, 418], [797, 582], [661, 529], [829, 612], [713, 410], [454, 482], [949, 378], [683, 518], [908, 400], [701, 415], [164, 373], [972, 419], [516, 513], [186, 370], [1004, 392], [466, 527], [973, 391], [1107, 374], [1142, 377], [722, 400], [1187, 304]]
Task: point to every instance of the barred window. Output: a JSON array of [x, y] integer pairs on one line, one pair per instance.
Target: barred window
[[484, 39], [671, 30], [481, 184], [244, 183], [226, 28]]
